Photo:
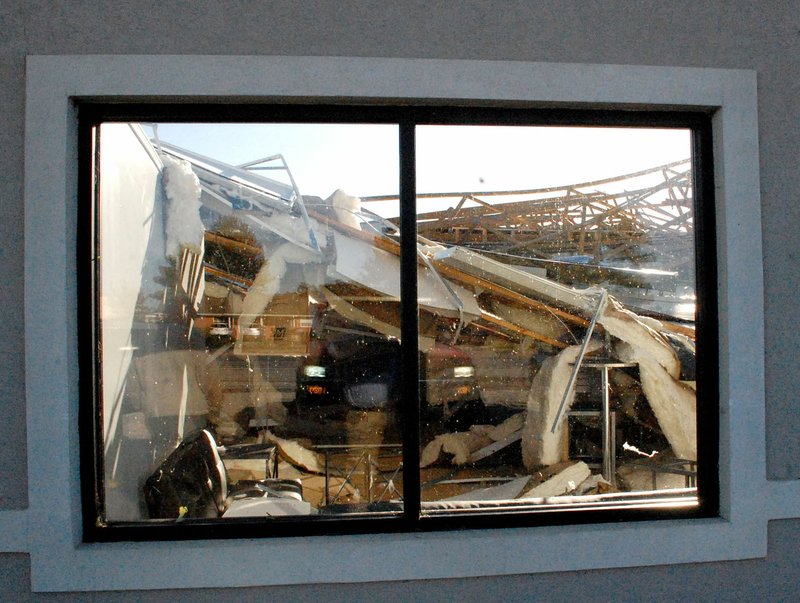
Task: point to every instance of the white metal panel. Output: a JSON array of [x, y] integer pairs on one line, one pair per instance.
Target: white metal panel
[[377, 269]]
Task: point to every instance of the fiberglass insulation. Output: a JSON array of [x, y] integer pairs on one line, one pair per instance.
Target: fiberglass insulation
[[183, 224]]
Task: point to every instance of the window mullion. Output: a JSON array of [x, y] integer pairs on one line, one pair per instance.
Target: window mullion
[[409, 323], [707, 319]]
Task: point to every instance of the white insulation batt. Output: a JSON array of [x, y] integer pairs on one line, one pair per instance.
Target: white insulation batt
[[637, 332], [564, 482], [296, 454], [673, 403], [539, 445], [268, 280], [346, 207], [636, 340], [462, 444], [183, 224]]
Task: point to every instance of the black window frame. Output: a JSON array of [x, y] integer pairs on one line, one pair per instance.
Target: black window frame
[[407, 115]]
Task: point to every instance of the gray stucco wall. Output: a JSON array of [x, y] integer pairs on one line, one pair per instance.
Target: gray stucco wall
[[764, 36]]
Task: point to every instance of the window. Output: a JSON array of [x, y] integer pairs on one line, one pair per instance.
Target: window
[[273, 354], [51, 528]]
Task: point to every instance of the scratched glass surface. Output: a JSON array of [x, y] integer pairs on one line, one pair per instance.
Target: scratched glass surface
[[248, 289], [559, 344]]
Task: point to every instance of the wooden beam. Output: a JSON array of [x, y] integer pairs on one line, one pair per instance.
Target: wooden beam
[[454, 274], [232, 244], [505, 324]]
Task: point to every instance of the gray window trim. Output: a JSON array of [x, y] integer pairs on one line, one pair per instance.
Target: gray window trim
[[50, 529]]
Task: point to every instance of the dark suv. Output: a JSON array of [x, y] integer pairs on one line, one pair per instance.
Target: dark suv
[[358, 369]]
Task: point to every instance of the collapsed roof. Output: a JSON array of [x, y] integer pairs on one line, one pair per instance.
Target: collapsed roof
[[350, 258]]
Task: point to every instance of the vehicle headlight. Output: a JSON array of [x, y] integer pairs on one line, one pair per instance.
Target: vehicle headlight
[[312, 370], [460, 372]]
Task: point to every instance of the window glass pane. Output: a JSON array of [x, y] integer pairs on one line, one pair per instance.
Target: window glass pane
[[248, 313], [559, 337]]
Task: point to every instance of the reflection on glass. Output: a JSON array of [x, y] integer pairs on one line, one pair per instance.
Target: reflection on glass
[[248, 297], [560, 356], [249, 331]]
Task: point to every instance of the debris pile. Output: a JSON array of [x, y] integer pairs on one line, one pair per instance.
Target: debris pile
[[281, 316]]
